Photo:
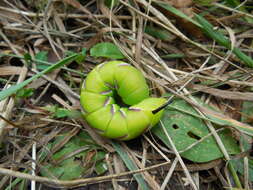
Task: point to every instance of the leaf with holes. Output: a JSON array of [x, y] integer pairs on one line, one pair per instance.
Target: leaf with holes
[[185, 130]]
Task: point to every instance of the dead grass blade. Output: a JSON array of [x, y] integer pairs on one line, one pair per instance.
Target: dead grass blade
[[226, 94], [73, 183]]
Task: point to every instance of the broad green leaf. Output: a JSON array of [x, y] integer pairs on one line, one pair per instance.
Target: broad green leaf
[[106, 49], [67, 149], [72, 167], [130, 165], [222, 40], [13, 89], [186, 129], [215, 117], [157, 33]]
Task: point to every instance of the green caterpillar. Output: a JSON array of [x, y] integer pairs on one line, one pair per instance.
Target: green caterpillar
[[111, 81]]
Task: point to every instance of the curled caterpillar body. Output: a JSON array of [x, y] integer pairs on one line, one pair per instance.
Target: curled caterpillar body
[[99, 94]]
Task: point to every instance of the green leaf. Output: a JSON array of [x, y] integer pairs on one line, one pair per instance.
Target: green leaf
[[82, 56], [13, 184], [41, 56], [27, 57], [173, 56], [13, 89], [99, 156], [67, 167], [208, 29], [70, 146], [223, 120], [106, 49], [177, 12], [62, 112], [233, 3], [215, 117], [157, 33], [222, 40], [239, 166], [101, 168], [247, 110], [25, 92], [111, 3], [70, 170], [239, 6], [186, 129], [130, 165]]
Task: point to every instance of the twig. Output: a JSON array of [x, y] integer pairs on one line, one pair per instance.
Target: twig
[[33, 183], [233, 10], [63, 15], [73, 183], [186, 171], [169, 174]]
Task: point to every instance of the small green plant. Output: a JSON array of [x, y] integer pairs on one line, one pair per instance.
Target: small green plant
[[58, 112]]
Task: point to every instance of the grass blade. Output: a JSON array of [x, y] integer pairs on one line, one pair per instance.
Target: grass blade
[[13, 89], [222, 40], [130, 165], [238, 6], [177, 12]]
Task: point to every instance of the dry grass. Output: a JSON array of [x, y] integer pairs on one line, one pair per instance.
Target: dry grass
[[206, 68]]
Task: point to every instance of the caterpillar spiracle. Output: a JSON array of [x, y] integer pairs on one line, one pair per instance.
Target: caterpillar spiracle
[[116, 102]]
